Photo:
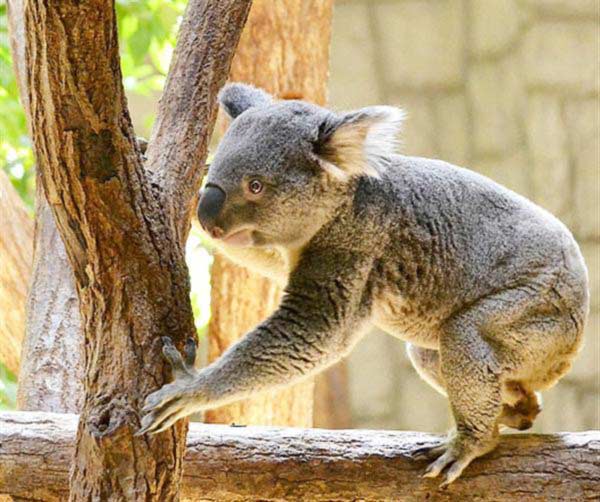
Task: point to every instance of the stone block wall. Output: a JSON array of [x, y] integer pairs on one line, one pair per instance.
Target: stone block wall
[[509, 88]]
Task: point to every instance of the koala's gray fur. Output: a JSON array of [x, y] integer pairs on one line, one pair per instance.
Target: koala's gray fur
[[489, 289]]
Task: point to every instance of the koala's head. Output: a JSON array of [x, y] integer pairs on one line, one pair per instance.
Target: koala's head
[[284, 166]]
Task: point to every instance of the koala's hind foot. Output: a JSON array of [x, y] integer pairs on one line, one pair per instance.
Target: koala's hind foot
[[455, 454]]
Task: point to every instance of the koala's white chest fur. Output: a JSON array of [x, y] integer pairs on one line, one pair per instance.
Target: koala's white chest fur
[[272, 263], [401, 318]]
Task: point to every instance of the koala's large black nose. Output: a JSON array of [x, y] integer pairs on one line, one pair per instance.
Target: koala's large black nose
[[212, 200]]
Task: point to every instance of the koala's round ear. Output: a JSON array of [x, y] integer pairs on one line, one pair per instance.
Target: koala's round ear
[[237, 98], [358, 142]]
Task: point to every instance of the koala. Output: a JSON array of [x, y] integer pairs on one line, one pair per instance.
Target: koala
[[489, 291]]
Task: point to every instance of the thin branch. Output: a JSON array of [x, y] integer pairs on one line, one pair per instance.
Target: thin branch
[[207, 41]]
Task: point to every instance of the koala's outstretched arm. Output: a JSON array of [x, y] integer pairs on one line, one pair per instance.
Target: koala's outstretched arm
[[321, 317]]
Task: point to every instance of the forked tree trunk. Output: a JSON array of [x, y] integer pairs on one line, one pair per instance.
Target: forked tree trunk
[[284, 49], [51, 362], [124, 224]]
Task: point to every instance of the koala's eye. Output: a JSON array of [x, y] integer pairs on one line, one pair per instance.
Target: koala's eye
[[255, 186]]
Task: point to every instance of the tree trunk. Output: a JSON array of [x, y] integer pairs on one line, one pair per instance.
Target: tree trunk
[[51, 374], [16, 237], [269, 464], [332, 398], [124, 224], [284, 49], [51, 365]]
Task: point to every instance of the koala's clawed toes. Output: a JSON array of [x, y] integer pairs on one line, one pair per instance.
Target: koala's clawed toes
[[429, 452], [165, 406], [454, 471], [172, 354], [435, 468], [455, 456], [182, 367], [173, 401], [161, 419], [160, 397], [454, 463]]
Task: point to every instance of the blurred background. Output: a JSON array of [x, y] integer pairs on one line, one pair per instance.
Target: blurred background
[[509, 88]]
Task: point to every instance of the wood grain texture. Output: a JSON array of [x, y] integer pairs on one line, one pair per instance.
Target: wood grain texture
[[268, 464], [284, 49], [117, 219]]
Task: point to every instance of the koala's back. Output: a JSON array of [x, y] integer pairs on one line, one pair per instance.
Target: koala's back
[[453, 237]]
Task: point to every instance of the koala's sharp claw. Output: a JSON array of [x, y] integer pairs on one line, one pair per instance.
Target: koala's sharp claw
[[174, 357], [455, 470], [190, 352], [149, 406], [170, 421], [428, 452], [145, 425], [435, 468]]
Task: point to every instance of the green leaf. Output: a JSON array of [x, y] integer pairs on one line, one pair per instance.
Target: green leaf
[[139, 44], [8, 389]]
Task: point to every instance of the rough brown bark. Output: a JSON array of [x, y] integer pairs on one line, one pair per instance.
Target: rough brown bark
[[260, 463], [16, 237], [284, 49], [51, 365], [124, 227]]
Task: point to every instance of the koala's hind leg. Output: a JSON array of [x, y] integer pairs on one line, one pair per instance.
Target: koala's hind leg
[[520, 406], [472, 374]]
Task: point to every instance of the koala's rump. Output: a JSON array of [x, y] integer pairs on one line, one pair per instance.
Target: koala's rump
[[457, 238]]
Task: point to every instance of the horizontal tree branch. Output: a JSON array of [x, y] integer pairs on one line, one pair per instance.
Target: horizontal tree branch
[[246, 463]]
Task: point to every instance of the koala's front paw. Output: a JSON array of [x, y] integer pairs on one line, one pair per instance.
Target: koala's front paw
[[177, 399], [455, 455]]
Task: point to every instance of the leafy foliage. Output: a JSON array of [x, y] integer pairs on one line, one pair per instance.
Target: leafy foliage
[[16, 156]]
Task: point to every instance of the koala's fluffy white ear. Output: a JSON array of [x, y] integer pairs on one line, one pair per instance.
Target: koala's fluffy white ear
[[237, 98], [359, 142]]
